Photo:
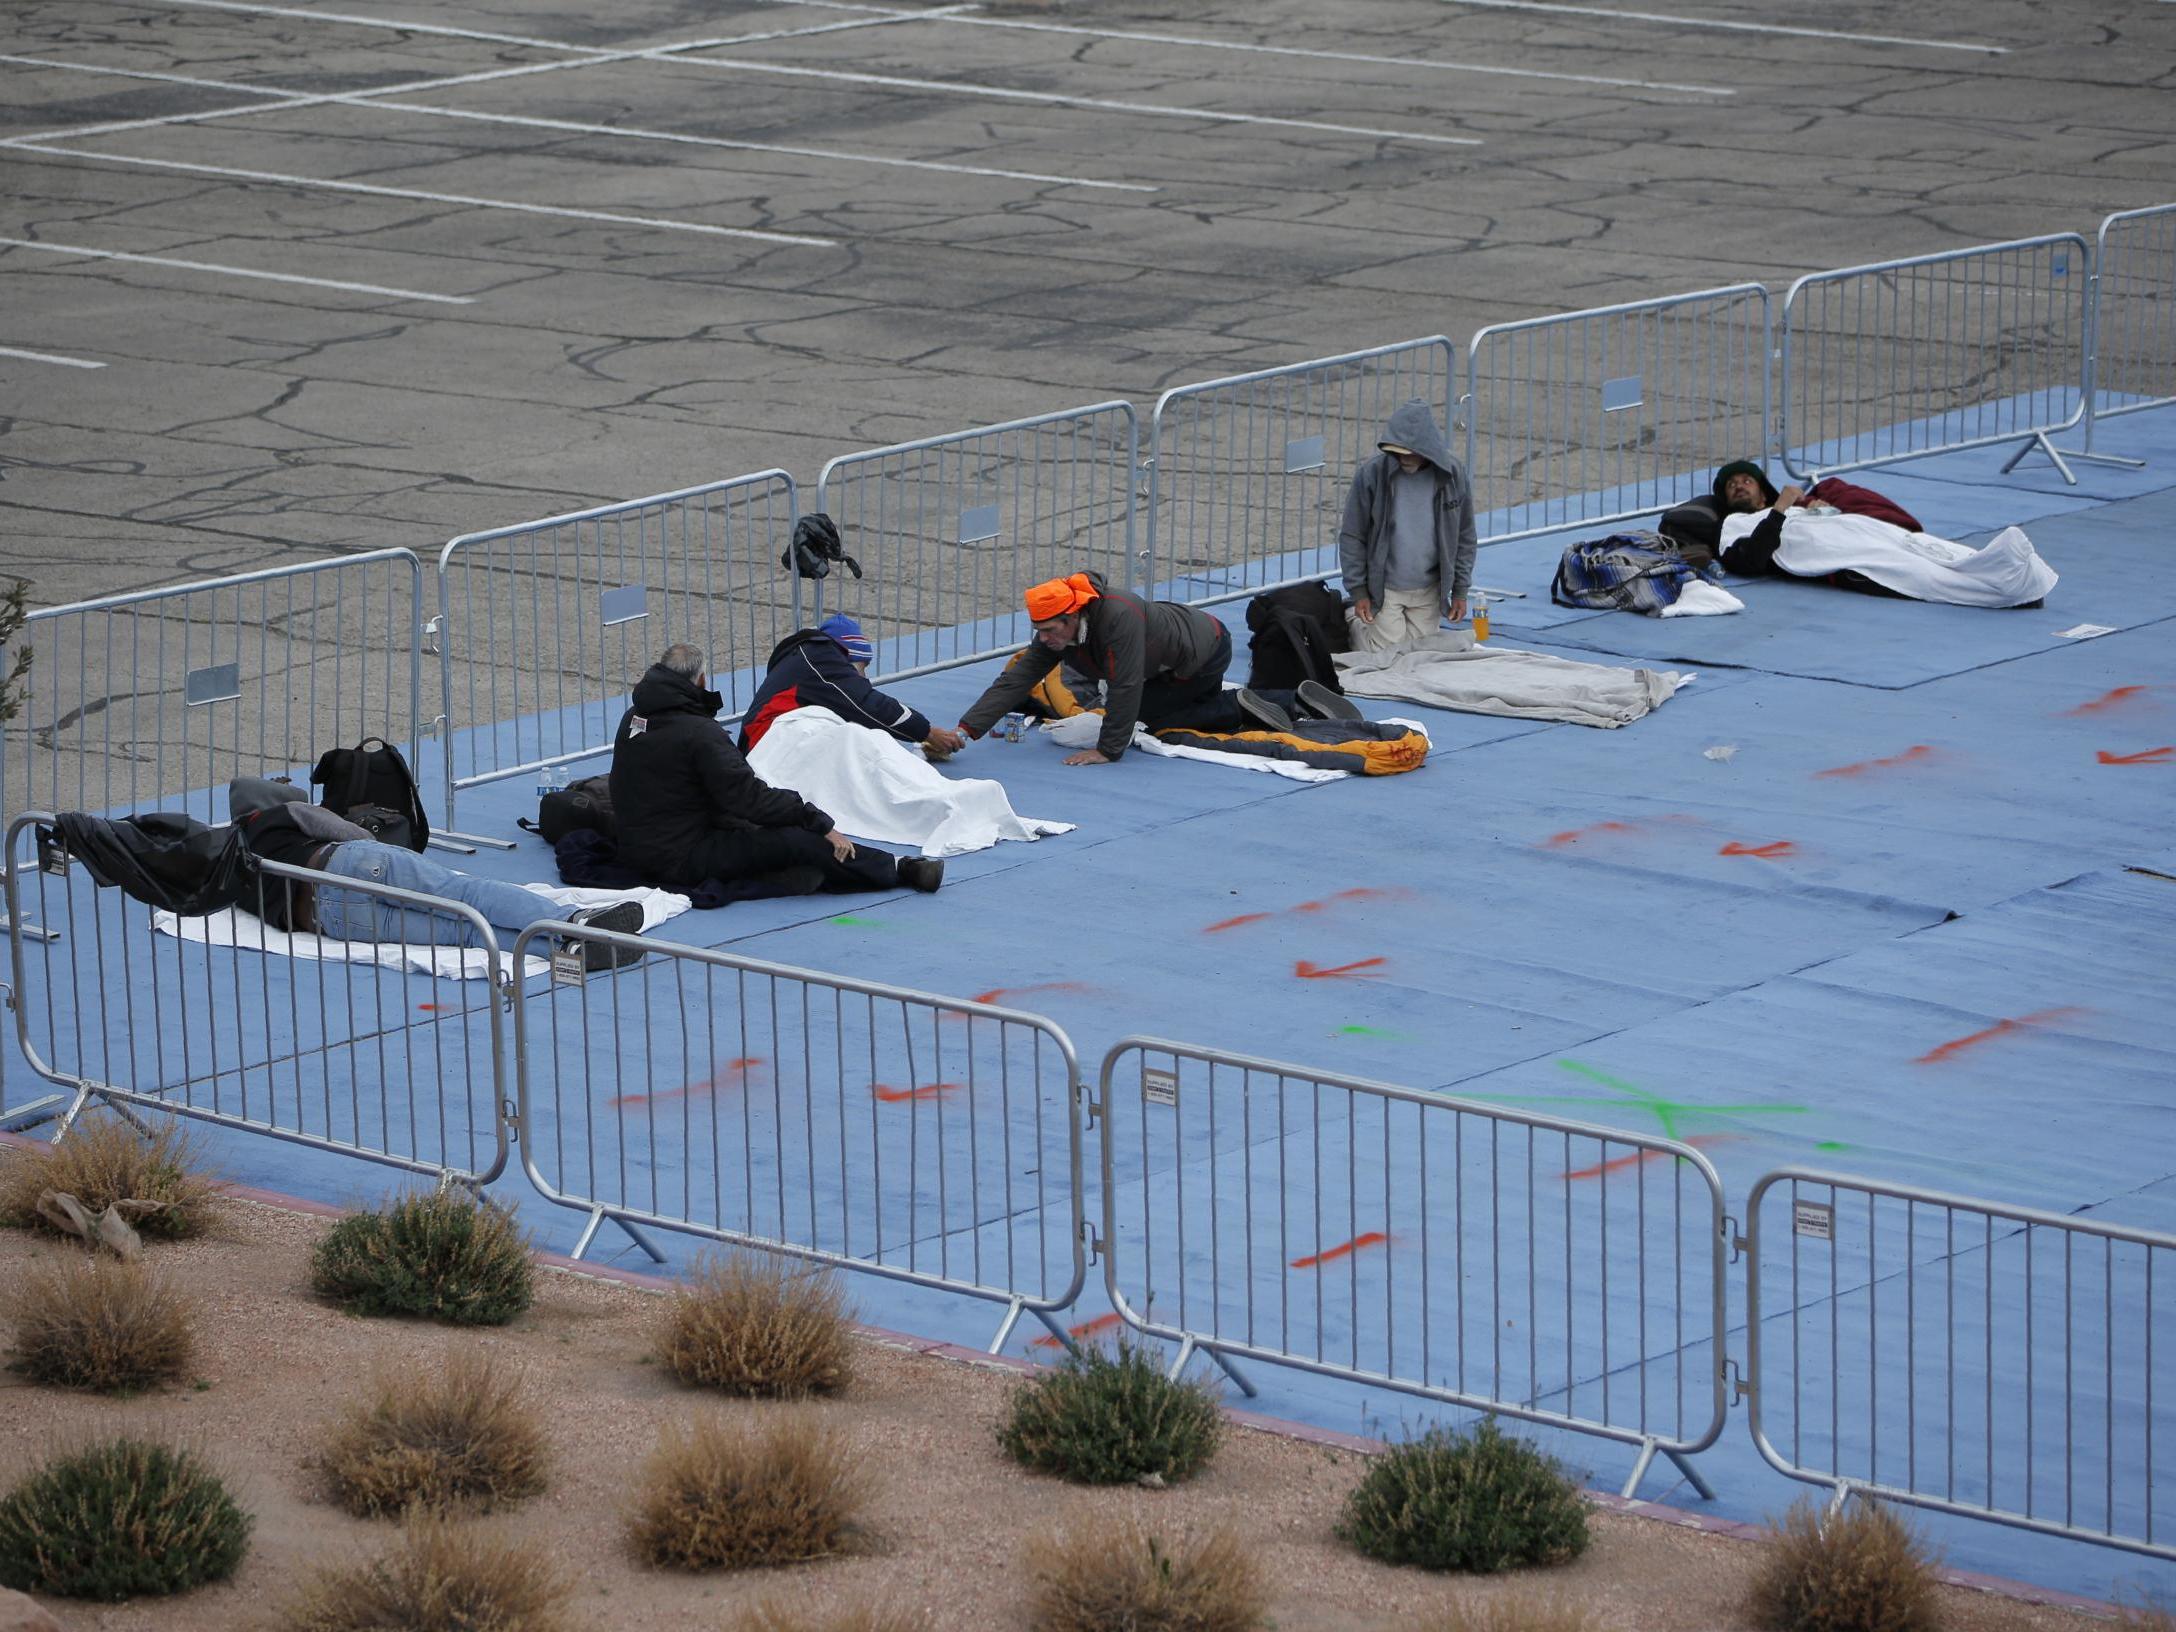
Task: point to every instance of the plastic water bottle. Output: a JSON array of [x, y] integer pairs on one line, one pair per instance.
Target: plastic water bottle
[[1013, 728], [1478, 605], [554, 778]]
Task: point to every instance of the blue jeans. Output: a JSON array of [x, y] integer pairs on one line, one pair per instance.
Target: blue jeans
[[347, 916]]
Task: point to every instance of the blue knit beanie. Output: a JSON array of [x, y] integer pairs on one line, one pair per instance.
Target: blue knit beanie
[[847, 633]]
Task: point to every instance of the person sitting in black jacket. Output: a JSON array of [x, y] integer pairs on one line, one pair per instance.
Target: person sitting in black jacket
[[689, 807]]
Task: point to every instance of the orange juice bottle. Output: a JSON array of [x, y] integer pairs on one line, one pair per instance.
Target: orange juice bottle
[[1479, 606]]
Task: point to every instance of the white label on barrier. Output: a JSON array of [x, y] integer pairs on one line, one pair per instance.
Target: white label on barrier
[[1159, 1087], [1814, 1218], [53, 858], [2085, 631], [567, 967]]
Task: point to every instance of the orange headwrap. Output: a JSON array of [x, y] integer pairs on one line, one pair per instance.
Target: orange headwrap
[[1057, 597]]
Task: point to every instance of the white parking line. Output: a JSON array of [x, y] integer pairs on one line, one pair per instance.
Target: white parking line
[[444, 31], [237, 271], [1742, 28], [1434, 63], [48, 357], [379, 99], [463, 199], [1007, 93]]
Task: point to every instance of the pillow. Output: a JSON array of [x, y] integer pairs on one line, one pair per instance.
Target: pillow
[[1696, 527]]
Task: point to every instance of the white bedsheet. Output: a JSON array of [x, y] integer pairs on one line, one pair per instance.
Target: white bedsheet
[[2007, 571], [250, 933], [876, 787], [1449, 671]]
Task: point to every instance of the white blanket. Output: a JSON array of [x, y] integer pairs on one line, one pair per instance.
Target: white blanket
[[1701, 599], [250, 933], [2005, 572], [876, 787], [1449, 671]]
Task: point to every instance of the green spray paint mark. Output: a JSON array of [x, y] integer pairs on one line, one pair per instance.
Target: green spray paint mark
[[852, 922], [1665, 1111], [1372, 1031], [1831, 1144]]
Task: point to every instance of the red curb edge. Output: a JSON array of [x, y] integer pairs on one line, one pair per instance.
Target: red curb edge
[[1255, 1421]]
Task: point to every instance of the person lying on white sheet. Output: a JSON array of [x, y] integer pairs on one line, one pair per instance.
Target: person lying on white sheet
[[1770, 532]]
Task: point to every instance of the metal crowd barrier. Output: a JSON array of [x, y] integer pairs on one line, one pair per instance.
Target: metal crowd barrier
[[155, 700], [877, 1129], [950, 530], [544, 627], [406, 1069], [1547, 1270], [1959, 350], [1960, 1355], [1248, 475], [1620, 411], [2131, 360]]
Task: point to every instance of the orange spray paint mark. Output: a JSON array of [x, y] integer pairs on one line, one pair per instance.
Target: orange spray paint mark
[[2001, 1028], [997, 992], [2108, 700], [1773, 851], [1366, 894], [721, 1078], [1574, 834], [1309, 971], [1617, 1164], [1330, 1255], [898, 1096], [1087, 1328], [2149, 756], [1234, 923], [428, 1008], [1917, 754]]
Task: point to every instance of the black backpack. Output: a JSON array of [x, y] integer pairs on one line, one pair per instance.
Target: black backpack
[[370, 784], [578, 805], [1297, 631]]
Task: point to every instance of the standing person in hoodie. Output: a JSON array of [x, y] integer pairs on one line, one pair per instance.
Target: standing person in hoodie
[[690, 809], [1407, 542], [828, 667]]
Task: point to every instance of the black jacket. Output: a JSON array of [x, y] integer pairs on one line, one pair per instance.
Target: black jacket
[[676, 776], [166, 860], [809, 668]]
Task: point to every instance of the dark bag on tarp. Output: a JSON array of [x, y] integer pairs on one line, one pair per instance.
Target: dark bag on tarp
[[1298, 630], [165, 860], [584, 806], [370, 784], [816, 547]]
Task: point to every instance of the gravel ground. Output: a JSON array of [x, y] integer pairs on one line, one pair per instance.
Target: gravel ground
[[950, 1516]]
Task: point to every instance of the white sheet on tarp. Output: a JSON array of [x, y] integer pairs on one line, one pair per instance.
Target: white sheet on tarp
[[2007, 571], [249, 933], [877, 788], [1450, 671], [1701, 599]]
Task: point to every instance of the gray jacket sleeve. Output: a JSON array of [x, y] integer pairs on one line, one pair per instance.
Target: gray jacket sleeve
[[1468, 542], [1354, 533]]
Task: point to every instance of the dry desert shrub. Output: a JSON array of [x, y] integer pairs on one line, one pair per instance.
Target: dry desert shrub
[[1479, 1501], [439, 1577], [1506, 1612], [772, 1616], [121, 1518], [1110, 1573], [463, 1434], [2147, 1617], [756, 1326], [102, 1325], [443, 1256], [103, 1161], [1106, 1419], [727, 1496], [1862, 1571]]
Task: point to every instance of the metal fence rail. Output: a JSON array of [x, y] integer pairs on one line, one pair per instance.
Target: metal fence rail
[[1549, 1270], [1993, 1361], [2132, 362], [951, 529], [870, 1127], [1599, 415], [154, 700], [1248, 474], [544, 627], [329, 1054], [1959, 350]]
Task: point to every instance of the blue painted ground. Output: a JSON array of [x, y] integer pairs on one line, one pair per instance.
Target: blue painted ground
[[1924, 827]]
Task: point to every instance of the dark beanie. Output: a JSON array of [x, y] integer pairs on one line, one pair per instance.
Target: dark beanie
[[1745, 467]]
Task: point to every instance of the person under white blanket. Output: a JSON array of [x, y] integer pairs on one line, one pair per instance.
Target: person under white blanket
[[1768, 531], [877, 788]]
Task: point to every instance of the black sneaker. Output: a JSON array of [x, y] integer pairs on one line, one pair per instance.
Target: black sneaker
[[1319, 702], [622, 917], [922, 873], [1263, 714]]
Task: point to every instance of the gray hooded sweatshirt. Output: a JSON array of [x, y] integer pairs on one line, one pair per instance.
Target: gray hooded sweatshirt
[[1364, 537]]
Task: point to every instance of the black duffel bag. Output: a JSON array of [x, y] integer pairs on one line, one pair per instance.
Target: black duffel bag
[[370, 784]]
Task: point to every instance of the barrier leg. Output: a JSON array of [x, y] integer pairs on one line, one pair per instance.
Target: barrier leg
[[1648, 1448], [2056, 456], [466, 843], [597, 1216], [1013, 1311], [1187, 1351], [29, 1116]]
